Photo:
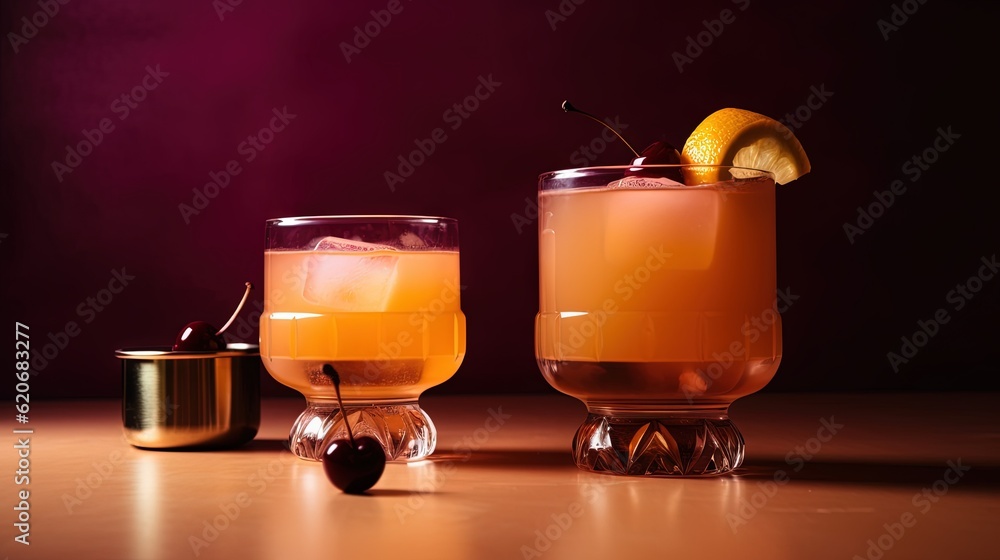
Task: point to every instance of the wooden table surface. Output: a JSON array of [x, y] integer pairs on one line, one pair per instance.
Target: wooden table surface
[[898, 476]]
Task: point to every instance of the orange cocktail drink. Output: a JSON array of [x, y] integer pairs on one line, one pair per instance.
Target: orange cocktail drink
[[649, 291], [656, 309], [377, 298], [388, 321]]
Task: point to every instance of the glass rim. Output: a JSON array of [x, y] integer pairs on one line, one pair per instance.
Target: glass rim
[[593, 170], [358, 218]]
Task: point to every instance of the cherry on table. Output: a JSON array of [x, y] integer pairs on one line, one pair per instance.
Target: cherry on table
[[354, 464]]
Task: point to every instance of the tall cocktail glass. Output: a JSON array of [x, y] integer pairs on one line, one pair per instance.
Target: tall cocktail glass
[[657, 310], [377, 298]]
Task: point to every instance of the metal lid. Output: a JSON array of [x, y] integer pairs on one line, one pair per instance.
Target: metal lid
[[232, 350]]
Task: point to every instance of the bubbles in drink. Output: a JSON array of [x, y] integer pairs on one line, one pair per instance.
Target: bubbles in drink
[[369, 373]]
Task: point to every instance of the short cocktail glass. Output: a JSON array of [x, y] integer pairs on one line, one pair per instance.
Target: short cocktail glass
[[377, 298], [657, 310]]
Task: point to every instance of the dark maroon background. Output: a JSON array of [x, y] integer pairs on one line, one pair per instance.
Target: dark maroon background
[[119, 207]]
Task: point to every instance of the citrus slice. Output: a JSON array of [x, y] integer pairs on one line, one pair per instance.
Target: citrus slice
[[743, 139]]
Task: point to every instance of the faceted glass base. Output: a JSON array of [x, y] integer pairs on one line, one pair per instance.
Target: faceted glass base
[[404, 430], [673, 445]]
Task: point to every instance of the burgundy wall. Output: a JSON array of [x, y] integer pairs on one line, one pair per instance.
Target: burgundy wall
[[879, 93]]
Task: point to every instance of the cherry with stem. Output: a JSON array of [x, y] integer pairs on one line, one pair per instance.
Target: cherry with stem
[[353, 465], [657, 153], [200, 336], [569, 108]]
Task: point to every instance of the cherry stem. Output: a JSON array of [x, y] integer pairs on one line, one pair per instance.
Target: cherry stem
[[239, 307], [569, 108], [335, 377]]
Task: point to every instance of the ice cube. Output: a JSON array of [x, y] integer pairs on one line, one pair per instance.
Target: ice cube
[[411, 240], [340, 244], [644, 183], [677, 227], [350, 282]]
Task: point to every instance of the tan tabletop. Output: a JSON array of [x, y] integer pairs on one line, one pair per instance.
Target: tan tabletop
[[827, 476]]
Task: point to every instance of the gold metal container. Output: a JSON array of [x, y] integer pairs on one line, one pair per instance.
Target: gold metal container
[[195, 400]]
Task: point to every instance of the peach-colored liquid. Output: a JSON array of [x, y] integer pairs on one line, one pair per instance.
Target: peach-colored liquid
[[389, 322], [652, 294]]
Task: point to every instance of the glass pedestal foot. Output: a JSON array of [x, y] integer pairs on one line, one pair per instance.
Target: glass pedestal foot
[[404, 430], [674, 445]]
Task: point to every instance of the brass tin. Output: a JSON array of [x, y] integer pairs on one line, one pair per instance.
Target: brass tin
[[176, 400]]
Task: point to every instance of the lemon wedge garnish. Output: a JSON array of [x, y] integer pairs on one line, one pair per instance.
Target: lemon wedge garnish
[[743, 139]]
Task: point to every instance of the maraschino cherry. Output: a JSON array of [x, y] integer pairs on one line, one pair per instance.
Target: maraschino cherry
[[354, 464], [200, 336], [657, 153]]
